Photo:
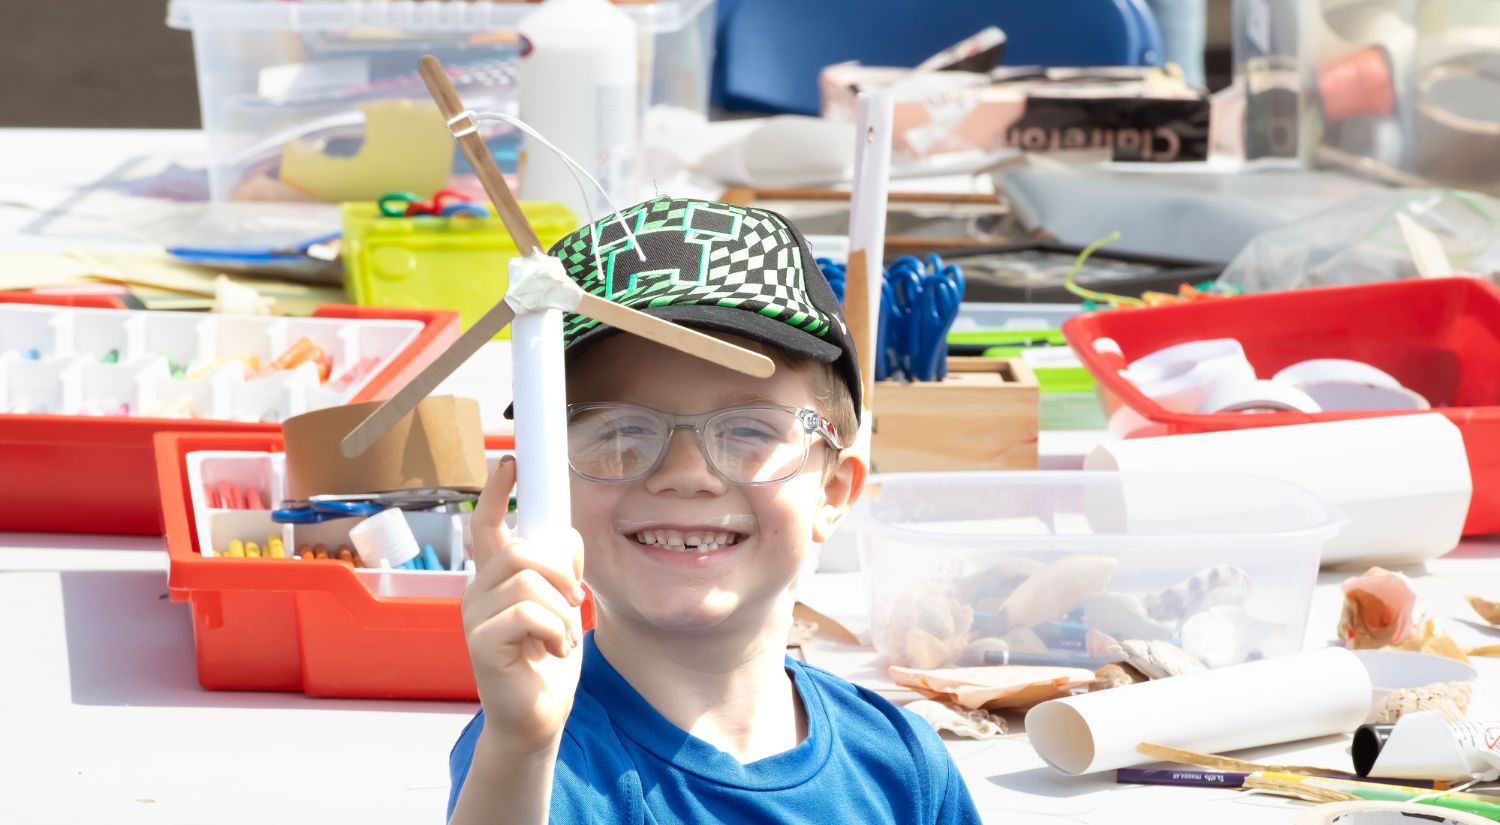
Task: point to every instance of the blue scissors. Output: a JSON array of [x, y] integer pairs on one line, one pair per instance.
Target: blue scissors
[[316, 512], [918, 304]]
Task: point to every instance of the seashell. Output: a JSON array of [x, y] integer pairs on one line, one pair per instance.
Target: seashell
[[1488, 610], [925, 627], [1057, 589], [1157, 659], [1224, 635], [973, 655], [996, 580], [970, 724], [1124, 615], [1097, 643], [1380, 608], [1220, 584], [924, 650], [1024, 640], [1450, 698], [1116, 674]]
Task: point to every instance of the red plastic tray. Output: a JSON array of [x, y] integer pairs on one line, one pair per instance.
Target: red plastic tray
[[287, 625], [74, 474], [1440, 337]]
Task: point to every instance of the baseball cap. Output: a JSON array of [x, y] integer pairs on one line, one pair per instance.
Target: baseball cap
[[715, 267]]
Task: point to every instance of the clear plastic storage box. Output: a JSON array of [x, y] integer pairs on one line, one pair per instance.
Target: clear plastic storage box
[[1050, 567], [1398, 89], [282, 83]]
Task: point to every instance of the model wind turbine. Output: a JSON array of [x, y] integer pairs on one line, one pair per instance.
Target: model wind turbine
[[539, 293]]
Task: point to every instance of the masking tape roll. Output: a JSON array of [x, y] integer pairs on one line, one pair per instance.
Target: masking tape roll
[[1175, 360], [1386, 813], [1257, 396], [1181, 377], [1340, 385], [1320, 370]]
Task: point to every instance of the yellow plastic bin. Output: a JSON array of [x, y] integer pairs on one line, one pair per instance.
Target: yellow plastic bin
[[454, 263]]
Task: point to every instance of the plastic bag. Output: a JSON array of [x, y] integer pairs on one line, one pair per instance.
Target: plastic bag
[[1358, 241]]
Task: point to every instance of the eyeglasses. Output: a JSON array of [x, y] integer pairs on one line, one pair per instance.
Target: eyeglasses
[[616, 443]]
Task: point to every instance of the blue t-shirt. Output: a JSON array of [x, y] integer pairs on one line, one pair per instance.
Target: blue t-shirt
[[864, 760]]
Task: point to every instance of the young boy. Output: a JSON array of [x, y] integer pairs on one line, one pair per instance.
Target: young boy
[[696, 493]]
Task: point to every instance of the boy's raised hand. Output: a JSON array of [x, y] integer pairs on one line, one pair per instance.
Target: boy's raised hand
[[522, 624]]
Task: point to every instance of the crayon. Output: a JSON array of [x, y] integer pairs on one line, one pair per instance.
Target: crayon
[[211, 497], [252, 550], [236, 549], [274, 548], [319, 551], [111, 357], [430, 559], [345, 554], [253, 500]]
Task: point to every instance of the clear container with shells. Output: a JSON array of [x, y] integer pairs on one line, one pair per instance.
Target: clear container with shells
[[1079, 568]]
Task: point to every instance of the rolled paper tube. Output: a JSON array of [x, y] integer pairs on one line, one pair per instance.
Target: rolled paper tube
[[1273, 700]]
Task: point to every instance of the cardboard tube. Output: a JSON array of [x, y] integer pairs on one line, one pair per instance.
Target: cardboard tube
[[1402, 481], [1261, 703], [440, 443]]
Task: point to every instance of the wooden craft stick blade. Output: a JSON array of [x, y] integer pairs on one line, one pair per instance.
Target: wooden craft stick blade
[[404, 401]]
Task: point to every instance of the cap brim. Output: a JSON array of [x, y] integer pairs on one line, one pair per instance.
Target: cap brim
[[727, 320]]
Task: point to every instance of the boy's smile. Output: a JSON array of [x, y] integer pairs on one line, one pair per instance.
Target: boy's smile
[[684, 548]]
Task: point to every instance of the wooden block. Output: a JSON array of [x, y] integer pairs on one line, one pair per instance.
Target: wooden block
[[983, 416]]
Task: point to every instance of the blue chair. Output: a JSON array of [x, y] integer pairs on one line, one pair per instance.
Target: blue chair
[[768, 52]]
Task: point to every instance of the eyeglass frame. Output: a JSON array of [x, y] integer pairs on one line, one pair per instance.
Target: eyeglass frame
[[812, 421]]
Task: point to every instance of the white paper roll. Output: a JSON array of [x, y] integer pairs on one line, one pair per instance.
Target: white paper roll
[[1180, 377], [1212, 711], [1256, 396], [1320, 370], [1402, 481], [1340, 385]]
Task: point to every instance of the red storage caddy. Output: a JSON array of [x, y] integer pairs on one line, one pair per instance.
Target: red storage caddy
[[94, 474], [316, 627], [1439, 337]]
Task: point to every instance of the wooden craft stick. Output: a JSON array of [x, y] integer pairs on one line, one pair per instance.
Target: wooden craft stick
[[408, 397], [446, 98], [1167, 753], [1426, 250], [677, 337], [857, 316]]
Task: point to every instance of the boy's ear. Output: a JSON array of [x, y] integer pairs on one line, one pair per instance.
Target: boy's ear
[[840, 490]]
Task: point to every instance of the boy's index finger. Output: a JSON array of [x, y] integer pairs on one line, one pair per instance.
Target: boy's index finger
[[489, 513]]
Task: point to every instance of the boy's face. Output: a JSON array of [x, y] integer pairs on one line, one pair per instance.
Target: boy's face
[[770, 527]]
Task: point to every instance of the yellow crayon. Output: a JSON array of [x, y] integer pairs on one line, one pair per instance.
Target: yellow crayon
[[252, 550], [236, 549], [274, 548]]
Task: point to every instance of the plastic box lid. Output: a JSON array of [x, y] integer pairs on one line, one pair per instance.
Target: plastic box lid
[[1118, 511], [398, 16]]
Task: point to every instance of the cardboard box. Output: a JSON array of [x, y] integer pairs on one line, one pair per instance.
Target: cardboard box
[[983, 416], [1136, 114]]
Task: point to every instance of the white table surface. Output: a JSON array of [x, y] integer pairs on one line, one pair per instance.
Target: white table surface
[[102, 719]]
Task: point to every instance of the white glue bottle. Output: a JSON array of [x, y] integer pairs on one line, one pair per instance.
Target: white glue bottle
[[579, 85]]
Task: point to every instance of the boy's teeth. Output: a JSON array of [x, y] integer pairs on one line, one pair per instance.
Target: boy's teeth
[[690, 542]]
